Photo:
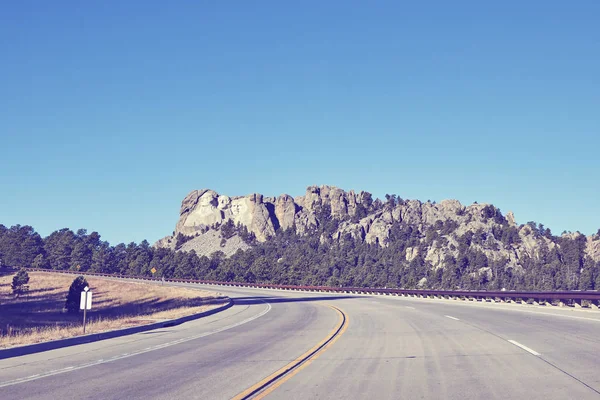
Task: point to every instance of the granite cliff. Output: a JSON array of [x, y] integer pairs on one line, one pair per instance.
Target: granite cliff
[[438, 230]]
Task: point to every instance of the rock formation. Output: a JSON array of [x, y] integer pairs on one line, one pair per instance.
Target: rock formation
[[205, 208], [363, 219]]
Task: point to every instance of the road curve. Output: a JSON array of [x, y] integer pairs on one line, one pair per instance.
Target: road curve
[[392, 348]]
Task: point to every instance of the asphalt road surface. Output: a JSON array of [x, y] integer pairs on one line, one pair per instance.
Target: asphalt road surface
[[391, 348]]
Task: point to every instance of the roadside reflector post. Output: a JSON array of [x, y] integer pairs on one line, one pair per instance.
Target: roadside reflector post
[[85, 303]]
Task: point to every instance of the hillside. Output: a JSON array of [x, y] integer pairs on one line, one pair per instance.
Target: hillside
[[331, 237], [38, 315], [445, 239]]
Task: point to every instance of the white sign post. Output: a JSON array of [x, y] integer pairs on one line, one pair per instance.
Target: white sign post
[[85, 303]]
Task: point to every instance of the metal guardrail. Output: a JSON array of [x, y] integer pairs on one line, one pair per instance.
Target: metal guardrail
[[588, 299]]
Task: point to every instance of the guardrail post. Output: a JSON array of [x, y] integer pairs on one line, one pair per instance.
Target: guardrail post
[[594, 304], [576, 303]]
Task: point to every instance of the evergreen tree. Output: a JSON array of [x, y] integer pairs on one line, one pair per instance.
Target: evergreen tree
[[588, 275], [81, 256], [58, 247], [20, 245], [19, 282], [40, 262], [597, 277], [103, 259], [74, 295]]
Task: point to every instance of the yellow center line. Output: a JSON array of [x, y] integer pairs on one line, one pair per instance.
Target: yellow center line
[[276, 379]]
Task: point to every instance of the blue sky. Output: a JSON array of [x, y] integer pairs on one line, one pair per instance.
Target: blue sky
[[111, 112]]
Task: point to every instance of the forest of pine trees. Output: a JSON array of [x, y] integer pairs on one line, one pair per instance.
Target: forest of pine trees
[[289, 258]]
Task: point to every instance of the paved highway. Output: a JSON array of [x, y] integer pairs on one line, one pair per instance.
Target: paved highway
[[389, 348]]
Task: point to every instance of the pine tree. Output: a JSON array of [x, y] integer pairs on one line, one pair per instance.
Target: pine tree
[[58, 247], [81, 256], [19, 282], [40, 262], [74, 295], [103, 259]]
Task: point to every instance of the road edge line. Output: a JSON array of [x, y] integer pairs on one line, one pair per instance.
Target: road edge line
[[277, 378], [95, 337]]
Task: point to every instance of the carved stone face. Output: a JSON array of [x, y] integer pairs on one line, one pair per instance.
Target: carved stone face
[[239, 206], [236, 208], [224, 202], [208, 199]]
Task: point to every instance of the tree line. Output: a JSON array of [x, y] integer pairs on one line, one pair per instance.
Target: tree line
[[289, 258]]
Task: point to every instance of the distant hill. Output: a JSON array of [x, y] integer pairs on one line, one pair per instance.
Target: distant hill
[[425, 244], [330, 237]]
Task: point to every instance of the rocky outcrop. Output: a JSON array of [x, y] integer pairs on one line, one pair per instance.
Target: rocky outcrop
[[285, 212], [378, 232], [167, 242], [358, 216], [211, 242], [207, 209], [593, 247], [411, 253], [510, 217]]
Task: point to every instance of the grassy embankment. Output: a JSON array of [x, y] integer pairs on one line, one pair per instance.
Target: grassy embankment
[[39, 316]]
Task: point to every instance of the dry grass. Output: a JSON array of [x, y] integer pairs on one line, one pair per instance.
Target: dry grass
[[39, 316]]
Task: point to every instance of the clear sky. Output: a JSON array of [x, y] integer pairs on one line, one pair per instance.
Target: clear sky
[[112, 111]]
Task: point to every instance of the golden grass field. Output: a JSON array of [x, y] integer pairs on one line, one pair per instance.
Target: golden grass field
[[38, 316]]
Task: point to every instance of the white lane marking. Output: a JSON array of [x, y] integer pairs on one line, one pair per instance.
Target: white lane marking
[[527, 349], [127, 355], [555, 315], [454, 318], [508, 307], [412, 308]]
